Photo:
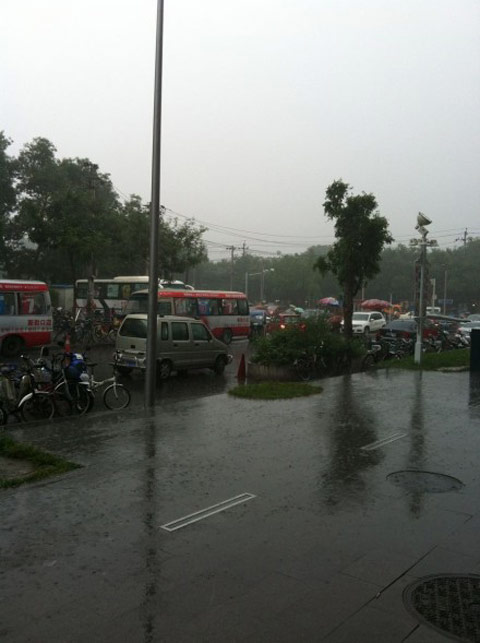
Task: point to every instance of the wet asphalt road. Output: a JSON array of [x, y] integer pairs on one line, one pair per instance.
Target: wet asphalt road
[[322, 552], [195, 383]]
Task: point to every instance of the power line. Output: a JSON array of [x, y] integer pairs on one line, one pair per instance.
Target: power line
[[276, 240]]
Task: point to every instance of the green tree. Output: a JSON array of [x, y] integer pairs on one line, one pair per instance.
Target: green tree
[[361, 234], [180, 248], [132, 244], [67, 210], [7, 204]]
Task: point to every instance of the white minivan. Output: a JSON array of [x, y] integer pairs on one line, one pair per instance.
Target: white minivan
[[183, 343]]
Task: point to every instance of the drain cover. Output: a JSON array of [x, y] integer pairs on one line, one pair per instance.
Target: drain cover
[[426, 481], [448, 603]]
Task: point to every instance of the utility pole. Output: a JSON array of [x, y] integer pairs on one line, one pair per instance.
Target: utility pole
[[445, 292], [464, 238], [433, 281], [244, 248], [232, 250]]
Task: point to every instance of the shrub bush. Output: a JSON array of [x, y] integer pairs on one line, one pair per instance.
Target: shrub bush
[[285, 346]]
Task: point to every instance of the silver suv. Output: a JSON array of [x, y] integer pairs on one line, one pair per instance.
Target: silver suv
[[183, 343]]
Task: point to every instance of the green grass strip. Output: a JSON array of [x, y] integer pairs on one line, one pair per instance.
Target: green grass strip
[[46, 464], [457, 358], [274, 390]]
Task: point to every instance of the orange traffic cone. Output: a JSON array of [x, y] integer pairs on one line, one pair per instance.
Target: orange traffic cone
[[242, 370], [67, 348]]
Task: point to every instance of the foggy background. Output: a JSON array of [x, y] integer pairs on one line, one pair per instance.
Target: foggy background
[[265, 103]]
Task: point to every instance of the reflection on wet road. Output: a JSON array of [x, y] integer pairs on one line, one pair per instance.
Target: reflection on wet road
[[86, 556]]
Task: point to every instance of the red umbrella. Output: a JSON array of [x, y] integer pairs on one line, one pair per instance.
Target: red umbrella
[[328, 301], [375, 304]]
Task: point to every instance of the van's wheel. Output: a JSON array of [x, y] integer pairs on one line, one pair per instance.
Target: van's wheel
[[12, 345], [164, 369], [219, 365], [227, 336]]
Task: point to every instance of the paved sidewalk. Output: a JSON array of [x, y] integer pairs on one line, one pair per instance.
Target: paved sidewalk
[[322, 552]]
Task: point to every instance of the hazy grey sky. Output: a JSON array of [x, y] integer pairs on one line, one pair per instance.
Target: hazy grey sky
[[265, 103]]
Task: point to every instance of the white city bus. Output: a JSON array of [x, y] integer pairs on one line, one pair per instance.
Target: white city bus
[[25, 315], [111, 295]]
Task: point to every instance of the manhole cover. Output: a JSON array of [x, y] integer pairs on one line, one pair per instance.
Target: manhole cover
[[448, 603], [426, 481]]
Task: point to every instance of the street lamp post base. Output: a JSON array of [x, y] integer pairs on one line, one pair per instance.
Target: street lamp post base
[[418, 352]]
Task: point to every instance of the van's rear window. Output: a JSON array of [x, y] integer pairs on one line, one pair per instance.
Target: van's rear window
[[134, 328]]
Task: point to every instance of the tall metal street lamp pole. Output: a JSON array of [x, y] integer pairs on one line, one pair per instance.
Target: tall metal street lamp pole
[[422, 222], [151, 350], [247, 275], [445, 292], [262, 287]]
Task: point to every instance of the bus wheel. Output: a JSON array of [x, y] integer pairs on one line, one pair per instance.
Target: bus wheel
[[227, 336], [12, 345], [164, 369]]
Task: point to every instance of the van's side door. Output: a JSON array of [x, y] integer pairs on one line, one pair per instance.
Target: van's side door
[[182, 352], [203, 346]]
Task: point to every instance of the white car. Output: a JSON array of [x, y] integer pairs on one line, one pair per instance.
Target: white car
[[364, 323], [465, 328]]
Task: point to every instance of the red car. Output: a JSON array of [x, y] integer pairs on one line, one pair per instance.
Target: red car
[[280, 322]]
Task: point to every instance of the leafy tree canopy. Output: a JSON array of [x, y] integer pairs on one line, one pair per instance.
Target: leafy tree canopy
[[66, 221], [361, 234]]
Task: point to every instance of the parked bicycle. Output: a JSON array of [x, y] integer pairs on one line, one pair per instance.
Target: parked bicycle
[[116, 396], [20, 396], [310, 364], [375, 354]]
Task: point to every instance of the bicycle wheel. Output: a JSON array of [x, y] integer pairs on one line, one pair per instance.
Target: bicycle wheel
[[80, 397], [38, 407], [116, 397], [368, 362], [63, 406], [99, 334], [304, 369], [83, 399]]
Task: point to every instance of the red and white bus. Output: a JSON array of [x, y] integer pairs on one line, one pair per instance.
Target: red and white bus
[[225, 312], [25, 315]]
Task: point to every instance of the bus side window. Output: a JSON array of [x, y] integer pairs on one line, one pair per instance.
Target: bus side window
[[229, 307], [7, 303], [112, 292], [242, 307], [81, 290], [126, 291], [164, 307], [32, 303], [207, 306], [186, 306]]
